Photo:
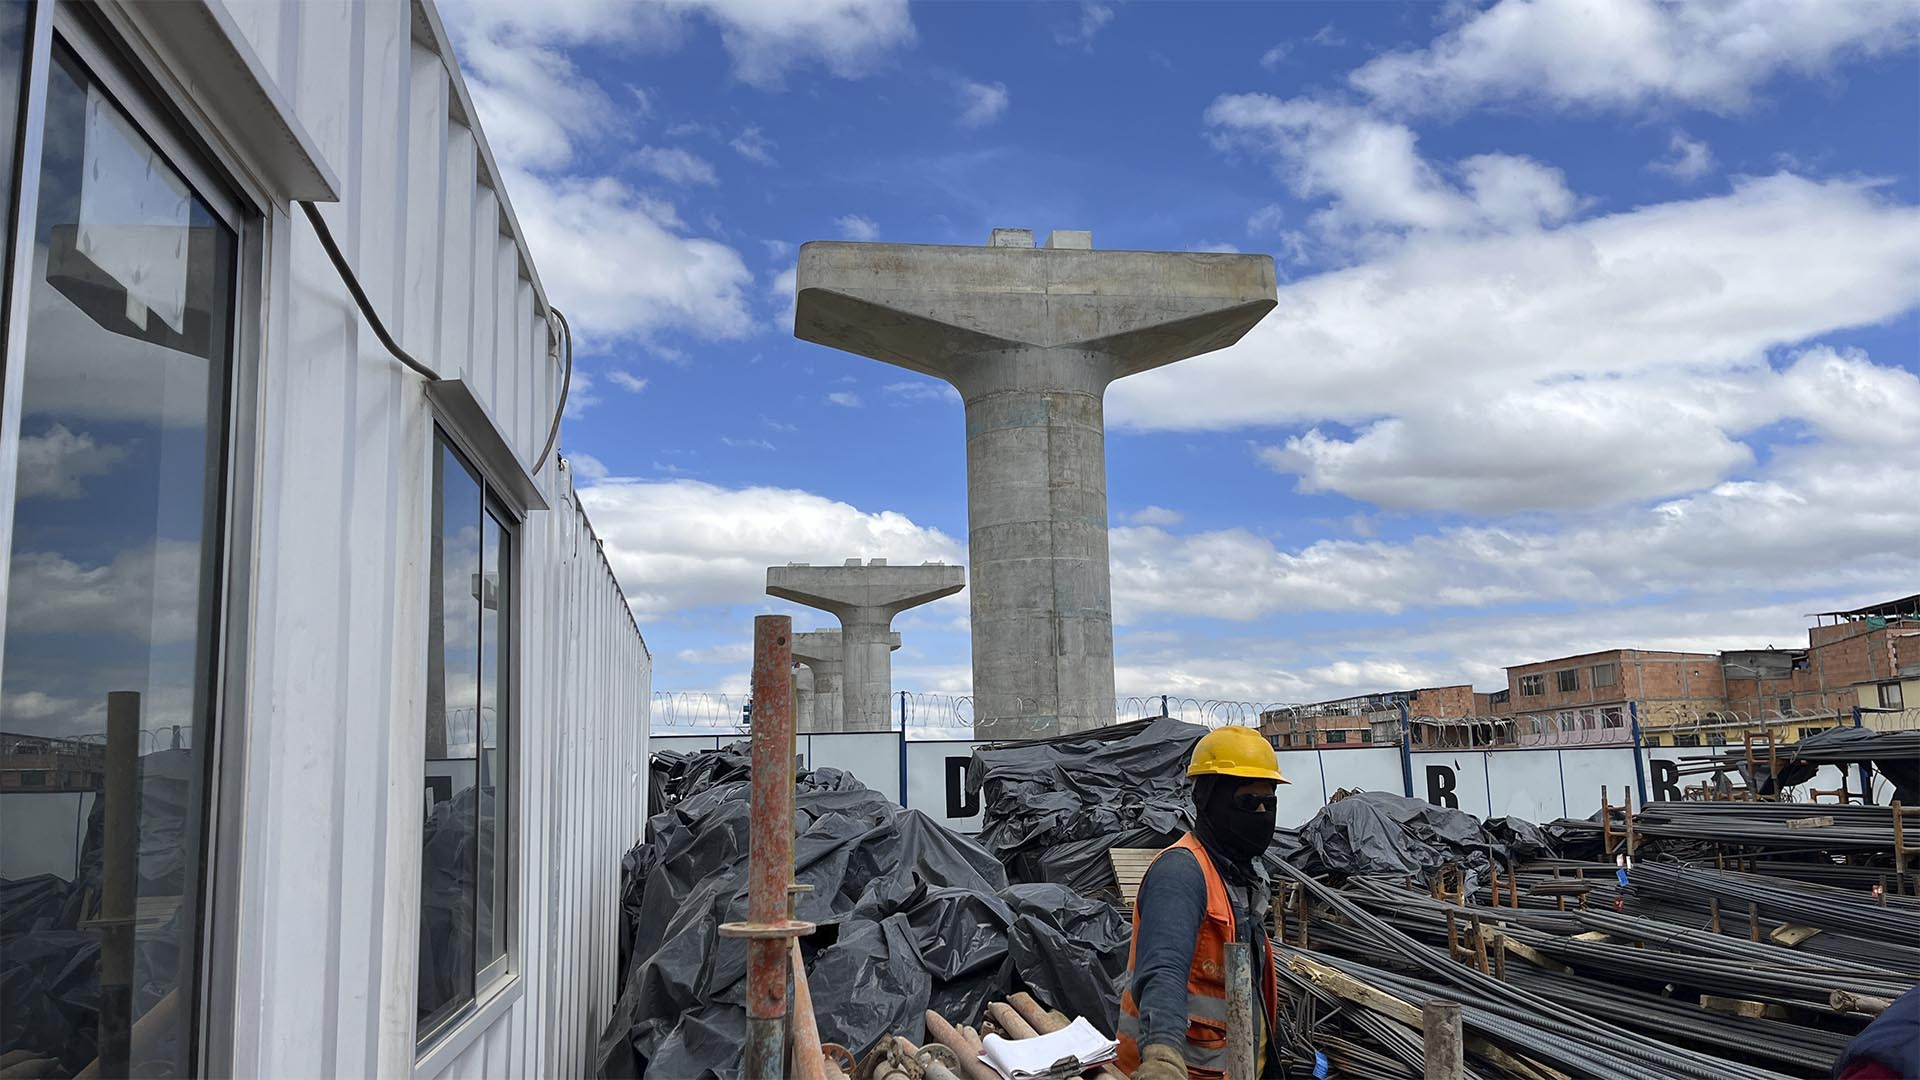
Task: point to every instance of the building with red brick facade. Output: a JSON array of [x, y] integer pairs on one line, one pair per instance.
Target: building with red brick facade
[[1351, 721]]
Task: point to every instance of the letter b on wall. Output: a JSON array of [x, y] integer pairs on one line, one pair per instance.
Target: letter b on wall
[[1441, 781], [1666, 779]]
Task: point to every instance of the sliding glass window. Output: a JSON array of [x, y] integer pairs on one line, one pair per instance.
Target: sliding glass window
[[465, 886], [113, 587]]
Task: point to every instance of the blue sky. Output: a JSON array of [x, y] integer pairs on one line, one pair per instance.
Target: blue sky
[[1597, 324]]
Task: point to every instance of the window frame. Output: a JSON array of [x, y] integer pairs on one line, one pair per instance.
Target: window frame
[[1567, 680], [500, 978], [1612, 675], [1537, 681], [1898, 698], [131, 77]]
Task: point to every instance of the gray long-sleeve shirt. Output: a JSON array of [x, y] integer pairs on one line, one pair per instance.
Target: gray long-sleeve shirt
[[1171, 906]]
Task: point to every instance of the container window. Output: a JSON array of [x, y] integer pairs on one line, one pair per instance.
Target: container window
[[113, 592], [464, 880]]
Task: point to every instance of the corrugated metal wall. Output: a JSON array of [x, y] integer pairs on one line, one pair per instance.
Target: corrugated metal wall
[[330, 868]]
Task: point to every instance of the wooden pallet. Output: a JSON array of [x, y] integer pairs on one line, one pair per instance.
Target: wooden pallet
[[1129, 866]]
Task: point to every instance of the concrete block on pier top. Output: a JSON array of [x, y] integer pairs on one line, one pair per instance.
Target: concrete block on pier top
[[1031, 337]]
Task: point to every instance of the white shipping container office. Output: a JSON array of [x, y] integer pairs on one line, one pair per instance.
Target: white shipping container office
[[322, 717]]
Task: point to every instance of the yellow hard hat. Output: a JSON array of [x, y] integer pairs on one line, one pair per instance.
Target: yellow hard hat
[[1235, 751]]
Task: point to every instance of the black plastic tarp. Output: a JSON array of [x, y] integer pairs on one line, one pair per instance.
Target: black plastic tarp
[[1377, 832], [1052, 808], [910, 916], [870, 864]]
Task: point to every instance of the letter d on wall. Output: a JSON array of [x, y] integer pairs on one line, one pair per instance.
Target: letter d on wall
[[960, 802]]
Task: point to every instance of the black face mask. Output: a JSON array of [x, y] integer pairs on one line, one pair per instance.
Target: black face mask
[[1230, 832]]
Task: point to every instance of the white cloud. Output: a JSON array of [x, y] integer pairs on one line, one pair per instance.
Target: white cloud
[[674, 165], [53, 465], [856, 227], [1623, 54], [922, 390], [1701, 287], [753, 146], [631, 383], [1093, 18], [850, 38], [1373, 172], [766, 41], [532, 101], [1690, 158], [786, 287], [1156, 515], [619, 265], [1270, 218], [1836, 518], [149, 593], [733, 653], [580, 395], [745, 444], [1220, 246], [981, 103], [587, 467], [616, 259], [1276, 56], [1582, 444], [844, 399], [682, 544]]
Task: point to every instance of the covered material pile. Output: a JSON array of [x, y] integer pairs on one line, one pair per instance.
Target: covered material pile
[[1379, 832], [1052, 808], [1691, 969], [911, 917]]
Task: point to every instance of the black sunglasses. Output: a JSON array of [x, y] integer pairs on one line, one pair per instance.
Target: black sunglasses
[[1253, 804]]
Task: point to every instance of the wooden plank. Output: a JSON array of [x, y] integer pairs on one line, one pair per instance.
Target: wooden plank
[[1348, 988], [1820, 822]]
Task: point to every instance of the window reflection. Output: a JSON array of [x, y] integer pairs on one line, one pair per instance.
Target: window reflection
[[105, 704], [464, 870]]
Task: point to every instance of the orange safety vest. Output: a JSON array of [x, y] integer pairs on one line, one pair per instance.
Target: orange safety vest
[[1206, 1049]]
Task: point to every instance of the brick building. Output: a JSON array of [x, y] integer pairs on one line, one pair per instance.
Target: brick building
[[1875, 652], [1363, 718], [1593, 694]]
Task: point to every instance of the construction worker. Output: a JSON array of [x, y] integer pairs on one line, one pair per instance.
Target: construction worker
[[1204, 891]]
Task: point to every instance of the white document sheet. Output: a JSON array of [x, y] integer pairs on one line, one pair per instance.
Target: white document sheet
[[1023, 1059]]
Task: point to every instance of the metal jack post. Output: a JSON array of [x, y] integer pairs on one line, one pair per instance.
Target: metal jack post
[[769, 927]]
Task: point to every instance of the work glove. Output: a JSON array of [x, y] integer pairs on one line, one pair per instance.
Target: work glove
[[1161, 1062]]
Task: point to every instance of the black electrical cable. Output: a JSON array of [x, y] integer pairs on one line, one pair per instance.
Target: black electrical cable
[[566, 385], [359, 295], [352, 282]]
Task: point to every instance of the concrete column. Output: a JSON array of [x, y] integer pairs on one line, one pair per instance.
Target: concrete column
[[802, 698], [819, 652], [1031, 337], [865, 598]]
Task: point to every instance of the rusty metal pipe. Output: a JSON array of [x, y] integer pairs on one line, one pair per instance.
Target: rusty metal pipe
[[968, 1052], [770, 854], [119, 881], [1030, 1010], [1010, 1021], [808, 1062]]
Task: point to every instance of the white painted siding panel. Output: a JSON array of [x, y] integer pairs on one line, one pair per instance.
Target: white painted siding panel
[[329, 866]]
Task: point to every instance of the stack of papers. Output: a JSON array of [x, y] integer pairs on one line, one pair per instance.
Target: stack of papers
[[1026, 1059]]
